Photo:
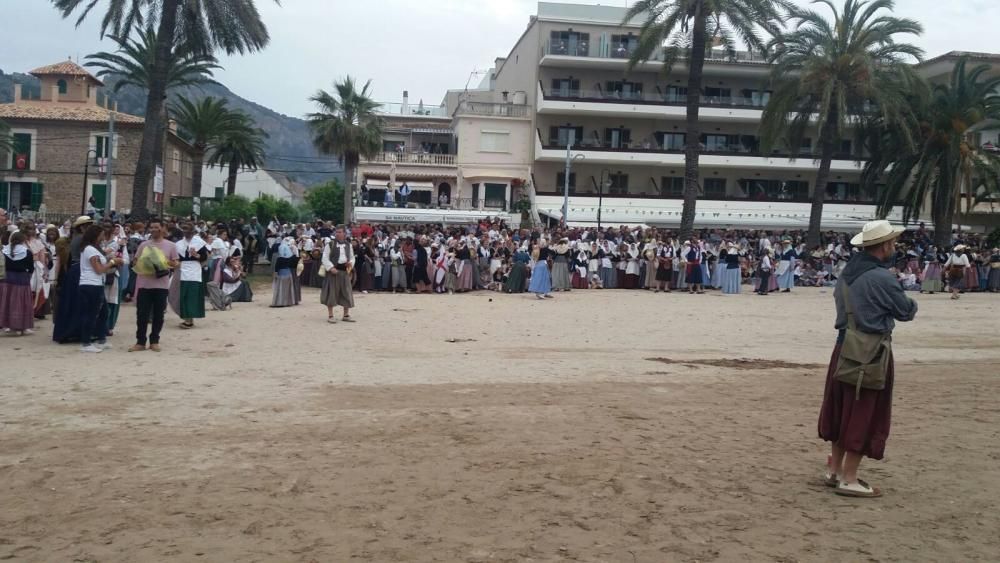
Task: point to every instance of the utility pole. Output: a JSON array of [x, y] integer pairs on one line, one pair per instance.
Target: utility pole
[[569, 163]]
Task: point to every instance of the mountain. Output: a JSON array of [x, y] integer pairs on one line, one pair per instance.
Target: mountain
[[289, 145]]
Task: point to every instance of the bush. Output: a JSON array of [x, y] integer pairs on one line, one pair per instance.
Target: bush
[[993, 240], [180, 207], [229, 208], [327, 201], [267, 207]]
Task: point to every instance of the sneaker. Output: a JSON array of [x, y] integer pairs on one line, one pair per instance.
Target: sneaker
[[91, 349], [104, 345]]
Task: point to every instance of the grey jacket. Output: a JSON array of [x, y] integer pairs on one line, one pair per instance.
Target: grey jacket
[[877, 297]]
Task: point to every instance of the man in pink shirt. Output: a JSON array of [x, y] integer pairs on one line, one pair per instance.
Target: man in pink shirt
[[151, 291]]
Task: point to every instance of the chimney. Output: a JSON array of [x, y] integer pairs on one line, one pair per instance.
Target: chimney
[[172, 125], [405, 110], [55, 92], [18, 92]]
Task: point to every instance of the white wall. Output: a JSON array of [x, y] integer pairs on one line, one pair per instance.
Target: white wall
[[250, 185]]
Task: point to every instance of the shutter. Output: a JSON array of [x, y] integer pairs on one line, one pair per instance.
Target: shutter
[[36, 196], [4, 194], [554, 135]]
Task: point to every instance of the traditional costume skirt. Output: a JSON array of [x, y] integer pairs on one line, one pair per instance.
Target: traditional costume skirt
[[66, 323], [631, 281], [560, 273], [720, 267], [16, 306], [772, 283], [192, 300], [984, 277], [730, 280], [787, 280], [932, 280], [337, 289], [366, 277], [859, 425], [679, 275], [283, 289], [608, 278], [515, 281], [994, 283], [242, 294], [663, 274], [398, 276], [651, 271], [971, 280], [308, 275], [580, 281], [466, 278], [694, 274], [541, 280]]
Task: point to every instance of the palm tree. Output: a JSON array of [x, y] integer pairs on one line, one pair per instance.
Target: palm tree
[[827, 73], [240, 148], [234, 26], [943, 162], [204, 123], [346, 125], [685, 27]]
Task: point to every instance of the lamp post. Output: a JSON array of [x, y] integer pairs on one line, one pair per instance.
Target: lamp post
[[600, 195], [570, 157], [86, 170]]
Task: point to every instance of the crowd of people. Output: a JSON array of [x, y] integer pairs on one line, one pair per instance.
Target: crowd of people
[[82, 271]]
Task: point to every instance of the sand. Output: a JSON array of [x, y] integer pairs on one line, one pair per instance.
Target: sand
[[598, 426]]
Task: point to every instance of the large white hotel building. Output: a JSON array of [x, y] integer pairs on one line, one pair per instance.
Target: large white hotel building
[[567, 77]]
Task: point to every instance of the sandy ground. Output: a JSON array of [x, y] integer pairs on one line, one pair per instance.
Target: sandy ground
[[541, 432]]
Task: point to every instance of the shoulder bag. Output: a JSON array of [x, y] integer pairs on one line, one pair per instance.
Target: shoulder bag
[[864, 357]]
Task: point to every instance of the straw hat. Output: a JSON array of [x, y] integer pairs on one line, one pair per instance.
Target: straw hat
[[876, 232], [959, 247], [82, 220]]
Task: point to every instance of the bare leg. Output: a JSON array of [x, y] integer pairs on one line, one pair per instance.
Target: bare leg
[[837, 460], [851, 462], [329, 311], [347, 313]]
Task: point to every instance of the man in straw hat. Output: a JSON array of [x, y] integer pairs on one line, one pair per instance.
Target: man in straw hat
[[855, 416]]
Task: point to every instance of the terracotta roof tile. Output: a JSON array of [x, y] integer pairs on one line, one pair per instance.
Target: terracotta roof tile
[[64, 112], [65, 68]]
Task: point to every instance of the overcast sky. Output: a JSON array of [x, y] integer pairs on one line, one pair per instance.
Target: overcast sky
[[424, 46]]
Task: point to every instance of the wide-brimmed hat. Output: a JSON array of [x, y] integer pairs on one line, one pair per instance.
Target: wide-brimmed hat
[[876, 232], [959, 247], [82, 220]]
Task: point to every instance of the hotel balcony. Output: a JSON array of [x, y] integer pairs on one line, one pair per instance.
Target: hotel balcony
[[730, 156], [493, 109], [419, 211], [412, 110], [412, 158], [654, 105], [604, 53]]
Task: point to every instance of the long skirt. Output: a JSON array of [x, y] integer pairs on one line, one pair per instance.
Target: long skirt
[[580, 281], [651, 271], [466, 278], [859, 425], [16, 307], [620, 278], [192, 300], [541, 280], [694, 274], [705, 277], [730, 280], [337, 289], [450, 281], [787, 280], [631, 281], [772, 283], [283, 289], [242, 294], [679, 281], [308, 274], [366, 277], [932, 281], [398, 276], [663, 274], [66, 323], [717, 272], [994, 283], [515, 281], [608, 278], [560, 273], [971, 279]]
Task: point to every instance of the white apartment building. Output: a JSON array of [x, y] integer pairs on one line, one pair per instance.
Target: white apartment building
[[566, 78]]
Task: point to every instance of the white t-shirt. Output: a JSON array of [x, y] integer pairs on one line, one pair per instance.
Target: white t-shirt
[[87, 274]]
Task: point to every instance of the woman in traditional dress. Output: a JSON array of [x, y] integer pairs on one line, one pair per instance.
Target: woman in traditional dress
[[518, 271], [983, 265], [955, 267], [932, 272], [581, 262], [233, 282], [786, 266], [66, 321], [606, 257], [694, 277], [451, 262], [680, 265], [993, 283], [632, 269], [664, 266], [730, 265], [650, 262], [560, 266], [36, 247], [541, 280], [16, 307], [466, 281], [283, 288]]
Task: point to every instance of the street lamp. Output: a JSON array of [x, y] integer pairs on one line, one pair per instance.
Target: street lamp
[[565, 209], [86, 170], [600, 194]]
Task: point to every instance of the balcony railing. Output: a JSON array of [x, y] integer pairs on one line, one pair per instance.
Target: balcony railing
[[461, 203], [760, 198], [397, 108], [624, 51], [650, 98], [430, 159], [492, 109], [591, 144]]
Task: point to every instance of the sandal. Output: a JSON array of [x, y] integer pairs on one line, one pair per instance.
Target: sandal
[[347, 320], [860, 489], [331, 320], [830, 479]]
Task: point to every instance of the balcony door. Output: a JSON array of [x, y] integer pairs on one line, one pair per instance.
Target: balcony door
[[617, 138], [676, 94], [566, 87], [718, 95], [619, 184], [560, 135], [622, 46], [571, 43], [624, 89], [670, 141], [715, 143]]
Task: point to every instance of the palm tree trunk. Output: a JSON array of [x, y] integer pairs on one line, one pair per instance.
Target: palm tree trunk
[[828, 144], [231, 181], [696, 63], [197, 163], [349, 168], [155, 101], [943, 214]]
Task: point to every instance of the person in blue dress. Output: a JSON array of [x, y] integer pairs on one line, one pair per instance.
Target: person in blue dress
[[786, 267], [541, 278], [730, 265]]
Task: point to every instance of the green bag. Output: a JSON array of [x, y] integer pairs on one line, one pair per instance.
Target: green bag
[[864, 357]]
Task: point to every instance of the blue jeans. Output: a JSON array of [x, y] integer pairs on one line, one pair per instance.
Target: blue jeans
[[93, 314]]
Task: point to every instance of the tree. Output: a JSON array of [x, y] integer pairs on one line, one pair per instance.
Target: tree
[[229, 208], [943, 161], [327, 201], [204, 122], [828, 73], [6, 140], [239, 148], [267, 207], [347, 126], [234, 26], [683, 26]]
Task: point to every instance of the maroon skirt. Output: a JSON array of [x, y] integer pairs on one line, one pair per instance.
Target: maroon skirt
[[578, 281], [859, 425]]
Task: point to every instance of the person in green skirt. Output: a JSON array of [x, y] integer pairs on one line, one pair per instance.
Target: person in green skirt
[[193, 252]]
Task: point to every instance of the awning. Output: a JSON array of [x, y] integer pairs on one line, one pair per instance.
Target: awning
[[423, 216], [411, 176], [433, 131]]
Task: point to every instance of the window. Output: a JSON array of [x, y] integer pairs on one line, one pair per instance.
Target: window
[[622, 46], [560, 135], [670, 141], [806, 146], [676, 94], [716, 143], [495, 195], [565, 87], [62, 86], [175, 161], [758, 189], [718, 95], [715, 187], [21, 157], [756, 98], [672, 186], [570, 43], [619, 183], [21, 195], [101, 145], [624, 89], [561, 181], [617, 138], [494, 141], [845, 191], [845, 146]]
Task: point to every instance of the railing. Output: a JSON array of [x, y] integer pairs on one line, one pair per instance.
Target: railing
[[397, 108], [492, 109], [460, 203], [592, 144], [622, 51], [651, 98], [431, 159], [783, 198]]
